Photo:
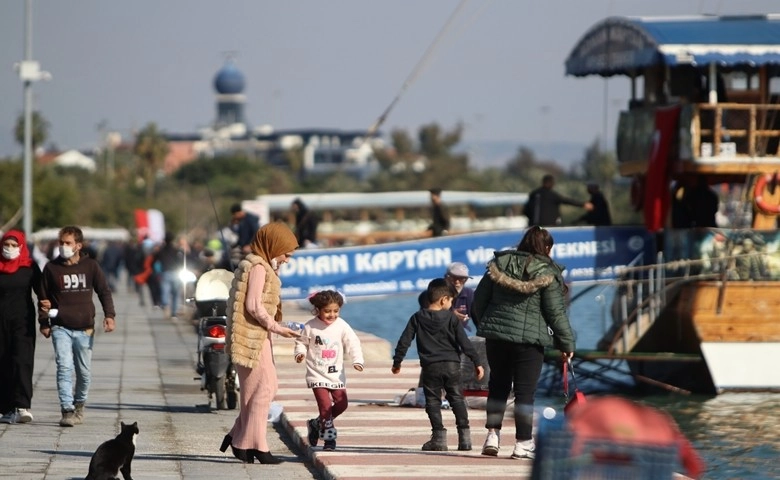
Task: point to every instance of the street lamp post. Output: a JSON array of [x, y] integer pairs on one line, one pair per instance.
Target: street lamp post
[[29, 72]]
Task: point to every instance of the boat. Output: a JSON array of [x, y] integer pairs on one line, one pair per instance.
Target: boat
[[704, 315]]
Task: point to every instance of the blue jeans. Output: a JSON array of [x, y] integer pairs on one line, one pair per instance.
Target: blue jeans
[[170, 288], [72, 351]]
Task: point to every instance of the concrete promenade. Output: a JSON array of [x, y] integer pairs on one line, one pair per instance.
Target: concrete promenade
[[144, 372]]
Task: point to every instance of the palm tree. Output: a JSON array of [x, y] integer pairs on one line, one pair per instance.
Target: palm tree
[[40, 130], [151, 148]]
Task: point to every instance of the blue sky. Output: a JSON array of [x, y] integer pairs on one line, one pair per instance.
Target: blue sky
[[499, 69]]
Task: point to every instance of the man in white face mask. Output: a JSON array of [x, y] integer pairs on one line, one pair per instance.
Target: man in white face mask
[[67, 287]]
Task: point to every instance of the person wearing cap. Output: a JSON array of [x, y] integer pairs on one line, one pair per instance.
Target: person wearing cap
[[457, 275]]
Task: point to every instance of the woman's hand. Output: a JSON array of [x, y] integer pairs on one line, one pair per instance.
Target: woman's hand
[[289, 332], [299, 358], [567, 356]]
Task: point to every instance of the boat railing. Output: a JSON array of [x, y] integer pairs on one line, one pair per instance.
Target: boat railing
[[643, 290], [726, 132], [737, 129], [642, 294]]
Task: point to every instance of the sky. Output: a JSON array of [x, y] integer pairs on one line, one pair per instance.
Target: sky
[[498, 68]]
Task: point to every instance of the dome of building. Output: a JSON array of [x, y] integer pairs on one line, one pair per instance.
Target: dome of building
[[229, 80]]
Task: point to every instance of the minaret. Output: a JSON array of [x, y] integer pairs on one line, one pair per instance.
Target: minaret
[[229, 84]]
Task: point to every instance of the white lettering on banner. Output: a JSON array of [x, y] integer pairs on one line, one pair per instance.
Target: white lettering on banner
[[291, 292], [591, 272], [409, 259], [317, 265], [583, 249], [479, 255], [368, 288]]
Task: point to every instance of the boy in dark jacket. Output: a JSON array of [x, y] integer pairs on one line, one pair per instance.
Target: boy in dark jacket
[[440, 341]]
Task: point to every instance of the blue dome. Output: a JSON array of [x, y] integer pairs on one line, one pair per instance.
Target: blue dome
[[229, 80]]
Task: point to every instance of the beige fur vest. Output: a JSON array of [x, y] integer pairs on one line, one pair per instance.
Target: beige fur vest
[[245, 336]]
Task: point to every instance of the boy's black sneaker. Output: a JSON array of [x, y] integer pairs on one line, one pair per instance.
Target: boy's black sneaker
[[329, 445], [313, 426]]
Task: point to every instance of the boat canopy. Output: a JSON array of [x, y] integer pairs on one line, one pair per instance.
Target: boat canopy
[[626, 45]]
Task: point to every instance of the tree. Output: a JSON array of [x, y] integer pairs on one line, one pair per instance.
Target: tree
[[151, 148], [430, 163], [599, 166], [40, 130]]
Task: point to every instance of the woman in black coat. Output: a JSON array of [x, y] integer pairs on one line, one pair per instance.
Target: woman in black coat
[[19, 277]]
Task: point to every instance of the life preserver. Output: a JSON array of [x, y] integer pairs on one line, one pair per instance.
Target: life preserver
[[638, 192], [758, 194]]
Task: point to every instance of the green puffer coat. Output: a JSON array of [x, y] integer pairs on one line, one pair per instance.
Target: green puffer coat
[[523, 302]]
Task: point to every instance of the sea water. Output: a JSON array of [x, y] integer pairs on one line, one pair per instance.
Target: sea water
[[737, 434]]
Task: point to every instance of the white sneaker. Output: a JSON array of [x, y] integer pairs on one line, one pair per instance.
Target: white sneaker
[[491, 444], [25, 416], [524, 449]]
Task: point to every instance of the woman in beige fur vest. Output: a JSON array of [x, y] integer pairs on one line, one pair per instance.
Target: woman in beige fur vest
[[254, 310]]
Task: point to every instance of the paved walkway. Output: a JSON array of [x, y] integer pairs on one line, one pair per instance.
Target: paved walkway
[[144, 372], [141, 372]]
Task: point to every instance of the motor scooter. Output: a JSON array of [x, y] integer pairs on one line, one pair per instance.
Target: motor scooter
[[217, 374]]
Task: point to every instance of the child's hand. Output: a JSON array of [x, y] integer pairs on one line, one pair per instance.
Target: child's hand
[[299, 357], [358, 367], [396, 370], [480, 372]]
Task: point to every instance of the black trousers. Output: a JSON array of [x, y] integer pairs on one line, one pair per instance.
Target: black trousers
[[518, 366], [438, 376], [17, 354]]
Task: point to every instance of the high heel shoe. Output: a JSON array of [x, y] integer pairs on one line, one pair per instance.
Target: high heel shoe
[[264, 457], [225, 443], [243, 455]]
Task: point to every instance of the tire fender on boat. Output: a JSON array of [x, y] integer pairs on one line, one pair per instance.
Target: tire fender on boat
[[758, 194]]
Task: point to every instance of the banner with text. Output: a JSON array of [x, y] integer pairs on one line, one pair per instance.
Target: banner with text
[[588, 253]]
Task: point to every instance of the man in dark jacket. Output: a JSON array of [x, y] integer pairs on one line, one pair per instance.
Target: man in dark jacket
[[66, 291], [544, 204], [440, 217], [245, 225]]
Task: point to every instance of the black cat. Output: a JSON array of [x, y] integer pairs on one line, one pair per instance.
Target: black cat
[[114, 456]]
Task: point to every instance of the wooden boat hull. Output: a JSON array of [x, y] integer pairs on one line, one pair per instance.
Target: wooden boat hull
[[734, 326]]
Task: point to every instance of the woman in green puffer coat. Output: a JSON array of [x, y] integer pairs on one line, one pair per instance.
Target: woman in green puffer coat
[[520, 308]]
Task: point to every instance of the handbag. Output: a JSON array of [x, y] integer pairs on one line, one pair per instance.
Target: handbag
[[578, 398]]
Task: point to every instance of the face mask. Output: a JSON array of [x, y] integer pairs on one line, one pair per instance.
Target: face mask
[[66, 252], [274, 264], [11, 253]]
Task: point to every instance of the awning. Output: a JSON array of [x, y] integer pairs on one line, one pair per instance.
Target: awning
[[624, 46]]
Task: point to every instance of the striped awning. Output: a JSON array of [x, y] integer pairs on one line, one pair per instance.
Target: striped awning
[[624, 46]]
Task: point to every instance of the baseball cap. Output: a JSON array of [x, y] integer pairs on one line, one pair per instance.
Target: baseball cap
[[457, 269]]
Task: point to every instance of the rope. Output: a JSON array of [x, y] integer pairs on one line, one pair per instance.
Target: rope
[[416, 70]]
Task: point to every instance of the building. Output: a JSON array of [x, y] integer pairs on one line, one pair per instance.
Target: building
[[322, 150]]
